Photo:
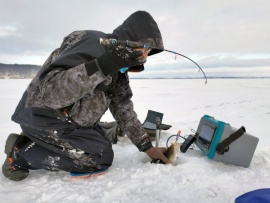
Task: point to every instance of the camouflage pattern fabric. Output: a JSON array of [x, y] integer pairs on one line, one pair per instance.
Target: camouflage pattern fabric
[[75, 89]]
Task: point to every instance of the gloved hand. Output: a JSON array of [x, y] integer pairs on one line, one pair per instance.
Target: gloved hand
[[158, 153], [117, 57]]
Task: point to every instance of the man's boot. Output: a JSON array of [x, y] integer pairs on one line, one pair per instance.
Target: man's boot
[[10, 169]]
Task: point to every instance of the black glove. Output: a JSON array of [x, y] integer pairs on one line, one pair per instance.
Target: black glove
[[117, 57]]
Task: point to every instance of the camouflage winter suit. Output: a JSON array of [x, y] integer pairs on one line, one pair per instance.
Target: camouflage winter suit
[[62, 105]]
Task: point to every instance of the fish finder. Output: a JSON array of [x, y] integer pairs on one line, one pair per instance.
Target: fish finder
[[222, 142]]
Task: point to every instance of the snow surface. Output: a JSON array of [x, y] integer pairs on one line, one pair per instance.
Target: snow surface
[[132, 178]]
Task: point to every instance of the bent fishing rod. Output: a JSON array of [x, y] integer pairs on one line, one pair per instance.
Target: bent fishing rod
[[133, 44]]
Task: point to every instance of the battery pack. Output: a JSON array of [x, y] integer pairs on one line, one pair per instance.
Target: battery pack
[[186, 144]]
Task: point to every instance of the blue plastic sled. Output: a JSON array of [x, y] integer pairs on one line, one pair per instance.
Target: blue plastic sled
[[256, 196], [87, 175]]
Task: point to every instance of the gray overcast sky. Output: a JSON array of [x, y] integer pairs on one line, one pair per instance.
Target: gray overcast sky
[[231, 36]]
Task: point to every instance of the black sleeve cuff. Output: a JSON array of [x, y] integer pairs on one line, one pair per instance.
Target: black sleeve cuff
[[92, 67], [145, 144]]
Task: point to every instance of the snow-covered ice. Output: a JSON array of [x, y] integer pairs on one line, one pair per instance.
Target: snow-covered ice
[[132, 178]]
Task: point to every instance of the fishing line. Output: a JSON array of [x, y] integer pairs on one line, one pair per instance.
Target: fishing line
[[133, 44], [200, 69], [171, 137], [184, 138]]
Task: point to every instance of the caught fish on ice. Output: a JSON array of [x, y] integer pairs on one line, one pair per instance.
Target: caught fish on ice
[[172, 152]]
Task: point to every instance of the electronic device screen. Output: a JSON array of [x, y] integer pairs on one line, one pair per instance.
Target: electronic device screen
[[206, 134]]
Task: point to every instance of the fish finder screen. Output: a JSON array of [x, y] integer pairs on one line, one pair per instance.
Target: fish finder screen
[[206, 134]]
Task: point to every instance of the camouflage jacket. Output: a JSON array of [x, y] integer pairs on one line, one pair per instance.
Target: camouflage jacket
[[66, 90]]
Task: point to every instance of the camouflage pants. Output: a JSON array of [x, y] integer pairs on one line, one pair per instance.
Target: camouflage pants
[[74, 149]]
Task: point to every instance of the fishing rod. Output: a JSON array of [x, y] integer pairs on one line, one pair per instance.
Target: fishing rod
[[133, 44]]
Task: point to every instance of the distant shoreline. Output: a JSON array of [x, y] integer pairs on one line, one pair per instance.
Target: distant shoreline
[[29, 71]]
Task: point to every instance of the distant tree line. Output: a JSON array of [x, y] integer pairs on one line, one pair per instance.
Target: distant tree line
[[18, 70]]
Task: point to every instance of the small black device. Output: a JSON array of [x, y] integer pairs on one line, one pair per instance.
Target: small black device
[[186, 144]]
